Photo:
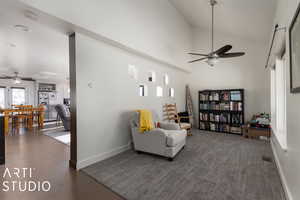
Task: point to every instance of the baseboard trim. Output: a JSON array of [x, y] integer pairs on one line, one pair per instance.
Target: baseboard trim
[[287, 192], [97, 158]]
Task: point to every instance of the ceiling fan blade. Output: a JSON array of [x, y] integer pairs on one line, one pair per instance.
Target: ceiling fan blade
[[223, 50], [27, 79], [6, 77], [231, 55], [198, 54], [198, 60]]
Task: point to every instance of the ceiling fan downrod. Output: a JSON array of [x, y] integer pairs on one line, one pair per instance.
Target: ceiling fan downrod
[[212, 3]]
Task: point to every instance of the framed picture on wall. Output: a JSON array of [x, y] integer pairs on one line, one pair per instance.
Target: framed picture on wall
[[294, 34]]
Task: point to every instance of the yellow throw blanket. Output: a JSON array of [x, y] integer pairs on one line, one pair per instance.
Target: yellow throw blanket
[[146, 123]]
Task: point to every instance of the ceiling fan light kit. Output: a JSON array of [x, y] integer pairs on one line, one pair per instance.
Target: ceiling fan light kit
[[213, 57]]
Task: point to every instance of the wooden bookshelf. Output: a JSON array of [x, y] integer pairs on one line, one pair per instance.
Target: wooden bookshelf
[[222, 110]]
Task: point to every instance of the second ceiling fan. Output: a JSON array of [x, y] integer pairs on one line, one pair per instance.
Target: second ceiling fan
[[213, 57]]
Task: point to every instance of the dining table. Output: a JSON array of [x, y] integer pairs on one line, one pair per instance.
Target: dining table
[[30, 114]]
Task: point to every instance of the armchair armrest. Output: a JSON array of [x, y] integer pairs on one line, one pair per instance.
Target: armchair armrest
[[169, 126]]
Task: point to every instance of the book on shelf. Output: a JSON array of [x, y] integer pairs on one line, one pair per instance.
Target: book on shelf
[[237, 130], [214, 127], [224, 117], [224, 128], [214, 117], [214, 106], [204, 126], [204, 106], [214, 96], [236, 106], [236, 119], [204, 97], [235, 96], [224, 106], [204, 116]]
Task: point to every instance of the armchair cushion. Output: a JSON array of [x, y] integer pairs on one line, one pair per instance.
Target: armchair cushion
[[169, 126], [175, 137]]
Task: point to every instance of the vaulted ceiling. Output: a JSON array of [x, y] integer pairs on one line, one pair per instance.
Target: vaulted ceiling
[[251, 19]]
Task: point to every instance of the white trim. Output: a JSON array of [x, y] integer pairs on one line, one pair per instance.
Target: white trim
[[281, 139], [287, 192], [97, 158]]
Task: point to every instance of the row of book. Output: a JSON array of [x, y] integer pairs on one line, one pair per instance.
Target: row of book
[[223, 117], [221, 96], [233, 106], [220, 128]]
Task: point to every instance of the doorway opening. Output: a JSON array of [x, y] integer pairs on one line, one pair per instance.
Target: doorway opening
[[36, 83]]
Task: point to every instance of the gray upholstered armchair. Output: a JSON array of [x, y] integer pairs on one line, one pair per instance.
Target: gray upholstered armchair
[[64, 114], [166, 141]]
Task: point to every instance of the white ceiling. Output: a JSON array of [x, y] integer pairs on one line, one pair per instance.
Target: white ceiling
[[251, 19], [41, 53]]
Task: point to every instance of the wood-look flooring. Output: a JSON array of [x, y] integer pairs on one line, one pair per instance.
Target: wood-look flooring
[[49, 158]]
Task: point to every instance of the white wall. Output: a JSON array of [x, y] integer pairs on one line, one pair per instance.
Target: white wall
[[103, 110], [289, 161], [152, 27], [246, 72]]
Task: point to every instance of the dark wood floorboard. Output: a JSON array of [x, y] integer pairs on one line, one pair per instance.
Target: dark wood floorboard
[[32, 149]]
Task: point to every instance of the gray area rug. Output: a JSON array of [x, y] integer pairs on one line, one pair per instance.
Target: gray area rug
[[60, 135], [212, 166]]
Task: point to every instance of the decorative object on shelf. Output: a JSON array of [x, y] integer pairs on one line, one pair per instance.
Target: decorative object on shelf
[[213, 57], [221, 110], [294, 33]]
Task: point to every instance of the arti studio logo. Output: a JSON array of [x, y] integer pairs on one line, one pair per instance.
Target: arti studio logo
[[21, 180]]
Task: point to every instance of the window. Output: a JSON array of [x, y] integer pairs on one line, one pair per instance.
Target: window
[[159, 91], [132, 71], [171, 92], [143, 90], [18, 96], [278, 101], [166, 79], [2, 97]]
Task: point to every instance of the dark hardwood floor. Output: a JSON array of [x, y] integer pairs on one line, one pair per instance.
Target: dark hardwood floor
[[49, 160]]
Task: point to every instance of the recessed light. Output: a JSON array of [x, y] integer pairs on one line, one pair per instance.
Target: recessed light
[[21, 27]]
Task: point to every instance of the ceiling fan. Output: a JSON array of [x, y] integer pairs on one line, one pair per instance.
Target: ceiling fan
[[213, 57], [16, 78]]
